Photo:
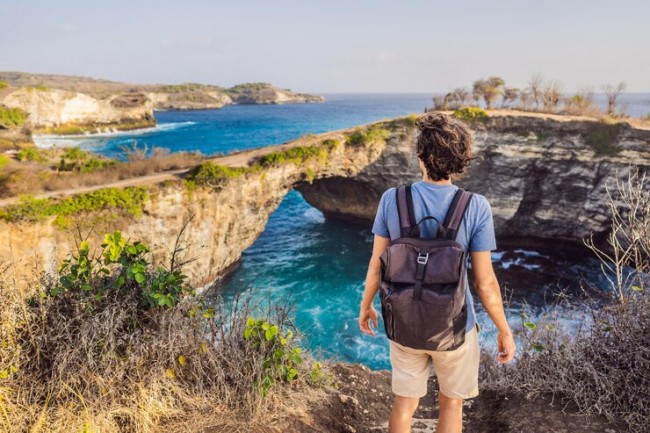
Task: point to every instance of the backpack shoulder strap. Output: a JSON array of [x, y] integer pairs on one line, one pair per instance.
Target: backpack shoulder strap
[[407, 223], [455, 213]]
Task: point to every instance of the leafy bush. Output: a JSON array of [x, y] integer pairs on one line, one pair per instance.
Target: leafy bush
[[129, 200], [3, 85], [209, 173], [297, 155], [4, 160], [281, 357], [30, 154], [331, 144], [367, 136], [122, 266], [471, 114], [11, 117], [602, 136]]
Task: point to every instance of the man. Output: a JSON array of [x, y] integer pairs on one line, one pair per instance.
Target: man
[[444, 149]]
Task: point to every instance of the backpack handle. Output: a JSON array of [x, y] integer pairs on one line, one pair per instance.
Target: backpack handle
[[440, 231]]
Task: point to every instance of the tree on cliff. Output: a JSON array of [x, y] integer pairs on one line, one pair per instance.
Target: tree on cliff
[[510, 94], [535, 85], [488, 89], [551, 95], [613, 92]]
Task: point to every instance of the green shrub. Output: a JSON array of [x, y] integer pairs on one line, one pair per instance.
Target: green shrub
[[411, 120], [123, 266], [4, 160], [471, 114], [11, 117], [94, 164], [310, 174], [3, 85], [602, 136], [75, 154], [364, 137], [129, 200], [298, 155], [331, 144], [209, 173], [282, 358], [30, 154]]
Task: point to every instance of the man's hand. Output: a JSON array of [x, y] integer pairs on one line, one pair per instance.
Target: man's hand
[[507, 347], [365, 316]]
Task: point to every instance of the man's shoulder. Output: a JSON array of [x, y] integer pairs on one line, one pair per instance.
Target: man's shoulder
[[479, 202]]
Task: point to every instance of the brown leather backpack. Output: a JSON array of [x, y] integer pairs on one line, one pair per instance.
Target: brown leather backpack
[[423, 280]]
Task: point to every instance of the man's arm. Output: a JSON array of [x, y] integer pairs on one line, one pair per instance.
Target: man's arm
[[373, 276], [487, 288]]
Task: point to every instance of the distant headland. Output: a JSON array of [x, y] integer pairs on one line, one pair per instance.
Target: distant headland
[[61, 104]]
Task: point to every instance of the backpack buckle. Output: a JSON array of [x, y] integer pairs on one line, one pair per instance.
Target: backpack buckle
[[423, 258]]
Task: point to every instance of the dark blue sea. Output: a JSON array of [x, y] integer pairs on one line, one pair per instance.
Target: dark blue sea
[[318, 265]]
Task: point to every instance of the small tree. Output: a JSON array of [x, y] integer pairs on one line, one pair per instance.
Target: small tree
[[535, 85], [551, 96], [613, 92], [489, 90], [509, 95], [525, 97]]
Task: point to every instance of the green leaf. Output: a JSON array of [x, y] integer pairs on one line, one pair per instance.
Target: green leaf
[[266, 326], [250, 322], [140, 278], [247, 333], [538, 347], [530, 325], [637, 288], [268, 335]]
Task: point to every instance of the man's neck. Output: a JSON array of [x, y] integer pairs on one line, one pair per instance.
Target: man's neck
[[437, 182]]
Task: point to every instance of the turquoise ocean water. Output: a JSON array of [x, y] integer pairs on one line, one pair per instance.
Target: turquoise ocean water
[[319, 265]]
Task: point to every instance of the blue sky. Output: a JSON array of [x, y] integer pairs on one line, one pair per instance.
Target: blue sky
[[332, 46]]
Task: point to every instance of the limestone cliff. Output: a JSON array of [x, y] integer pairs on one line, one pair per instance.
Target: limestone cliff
[[51, 109], [544, 176], [225, 219]]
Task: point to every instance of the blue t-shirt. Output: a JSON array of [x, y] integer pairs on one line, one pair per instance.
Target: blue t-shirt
[[476, 231]]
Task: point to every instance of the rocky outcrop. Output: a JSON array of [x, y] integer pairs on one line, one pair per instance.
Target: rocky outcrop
[[264, 93], [544, 177]]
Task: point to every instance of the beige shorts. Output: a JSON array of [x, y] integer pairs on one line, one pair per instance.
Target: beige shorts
[[457, 370]]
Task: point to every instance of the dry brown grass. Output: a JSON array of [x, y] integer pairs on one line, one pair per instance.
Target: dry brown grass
[[601, 364], [32, 178], [69, 363]]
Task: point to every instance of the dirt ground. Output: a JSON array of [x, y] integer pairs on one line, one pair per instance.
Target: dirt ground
[[362, 402]]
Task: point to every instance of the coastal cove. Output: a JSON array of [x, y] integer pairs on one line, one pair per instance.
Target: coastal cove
[[319, 263]]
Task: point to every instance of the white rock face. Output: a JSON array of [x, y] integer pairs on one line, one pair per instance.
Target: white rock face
[[54, 107]]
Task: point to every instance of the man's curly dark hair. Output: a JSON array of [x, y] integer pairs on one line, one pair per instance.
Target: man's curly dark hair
[[444, 145]]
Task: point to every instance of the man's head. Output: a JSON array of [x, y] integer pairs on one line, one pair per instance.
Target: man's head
[[444, 145]]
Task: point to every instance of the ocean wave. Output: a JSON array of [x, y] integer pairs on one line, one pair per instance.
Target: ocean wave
[[50, 140]]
